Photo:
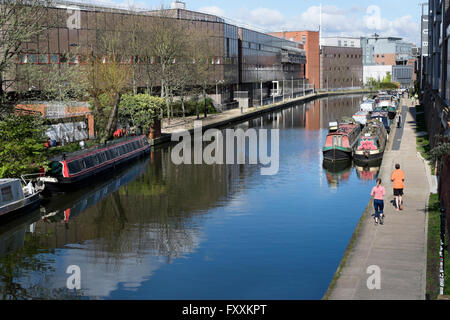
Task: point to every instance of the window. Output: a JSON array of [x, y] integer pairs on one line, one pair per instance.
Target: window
[[43, 58], [23, 58], [32, 58], [54, 58], [304, 39], [74, 167], [75, 59], [7, 194]]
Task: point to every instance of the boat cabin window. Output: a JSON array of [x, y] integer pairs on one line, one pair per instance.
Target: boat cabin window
[[7, 194], [89, 162], [95, 160], [74, 167]]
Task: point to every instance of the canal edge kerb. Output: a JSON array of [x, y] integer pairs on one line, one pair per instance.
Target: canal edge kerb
[[347, 251]]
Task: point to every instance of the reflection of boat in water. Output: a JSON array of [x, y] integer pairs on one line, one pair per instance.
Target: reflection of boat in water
[[71, 205], [12, 234], [337, 172], [366, 172], [70, 171]]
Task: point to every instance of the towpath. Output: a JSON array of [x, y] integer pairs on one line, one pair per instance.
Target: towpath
[[397, 248]]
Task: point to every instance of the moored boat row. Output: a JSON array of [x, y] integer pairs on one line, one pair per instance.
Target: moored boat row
[[365, 138]]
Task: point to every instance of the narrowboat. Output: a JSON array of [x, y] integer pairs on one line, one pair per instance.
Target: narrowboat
[[340, 141], [17, 199], [367, 105], [70, 171], [372, 142], [387, 103], [383, 117], [361, 117]]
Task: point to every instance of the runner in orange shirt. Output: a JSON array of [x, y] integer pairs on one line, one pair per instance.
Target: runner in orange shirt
[[398, 177]]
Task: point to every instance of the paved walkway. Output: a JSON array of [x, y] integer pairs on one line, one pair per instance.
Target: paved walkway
[[399, 246]]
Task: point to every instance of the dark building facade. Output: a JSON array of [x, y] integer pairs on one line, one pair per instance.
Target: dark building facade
[[242, 58], [435, 88], [340, 67]]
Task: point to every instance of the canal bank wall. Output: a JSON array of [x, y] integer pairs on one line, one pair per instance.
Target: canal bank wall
[[388, 262], [229, 117]]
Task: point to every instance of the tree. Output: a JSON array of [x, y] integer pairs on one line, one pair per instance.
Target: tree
[[167, 44], [20, 22], [141, 110], [108, 78], [203, 52], [22, 141], [62, 82]]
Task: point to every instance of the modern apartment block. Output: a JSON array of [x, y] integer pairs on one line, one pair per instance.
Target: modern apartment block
[[436, 86], [389, 51], [310, 42], [243, 59], [351, 42]]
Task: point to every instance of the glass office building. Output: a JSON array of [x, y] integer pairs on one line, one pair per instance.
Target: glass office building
[[242, 58]]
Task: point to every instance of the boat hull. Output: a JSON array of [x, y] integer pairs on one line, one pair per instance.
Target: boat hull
[[368, 156], [334, 154], [25, 205]]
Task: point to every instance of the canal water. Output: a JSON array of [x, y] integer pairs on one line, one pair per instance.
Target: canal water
[[161, 231]]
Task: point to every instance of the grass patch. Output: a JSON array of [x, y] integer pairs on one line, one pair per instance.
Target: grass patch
[[433, 244]]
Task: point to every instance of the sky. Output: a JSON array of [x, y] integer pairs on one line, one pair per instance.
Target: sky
[[399, 18]]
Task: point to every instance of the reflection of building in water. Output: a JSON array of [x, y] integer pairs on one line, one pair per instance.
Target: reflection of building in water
[[312, 121], [335, 108]]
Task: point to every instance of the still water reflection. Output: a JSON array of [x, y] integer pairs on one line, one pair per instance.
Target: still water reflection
[[161, 231]]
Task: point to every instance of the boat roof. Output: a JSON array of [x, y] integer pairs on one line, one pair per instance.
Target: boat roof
[[7, 181], [99, 148], [379, 114], [344, 128]]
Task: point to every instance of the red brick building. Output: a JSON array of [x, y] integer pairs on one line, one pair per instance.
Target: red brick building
[[310, 42]]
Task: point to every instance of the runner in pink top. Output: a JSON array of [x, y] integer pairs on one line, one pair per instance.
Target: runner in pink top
[[378, 193]]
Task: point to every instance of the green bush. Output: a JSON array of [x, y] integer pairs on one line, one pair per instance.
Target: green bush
[[22, 145], [141, 110], [189, 106]]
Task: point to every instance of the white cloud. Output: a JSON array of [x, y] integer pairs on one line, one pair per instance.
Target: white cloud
[[355, 21], [213, 10]]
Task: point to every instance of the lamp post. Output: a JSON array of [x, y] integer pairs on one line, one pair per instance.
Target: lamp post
[[261, 94], [292, 83]]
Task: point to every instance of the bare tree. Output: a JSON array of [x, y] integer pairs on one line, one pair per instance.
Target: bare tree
[[167, 44], [203, 52], [20, 22]]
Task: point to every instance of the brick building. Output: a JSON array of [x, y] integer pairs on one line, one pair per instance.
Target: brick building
[[340, 67], [310, 42]]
